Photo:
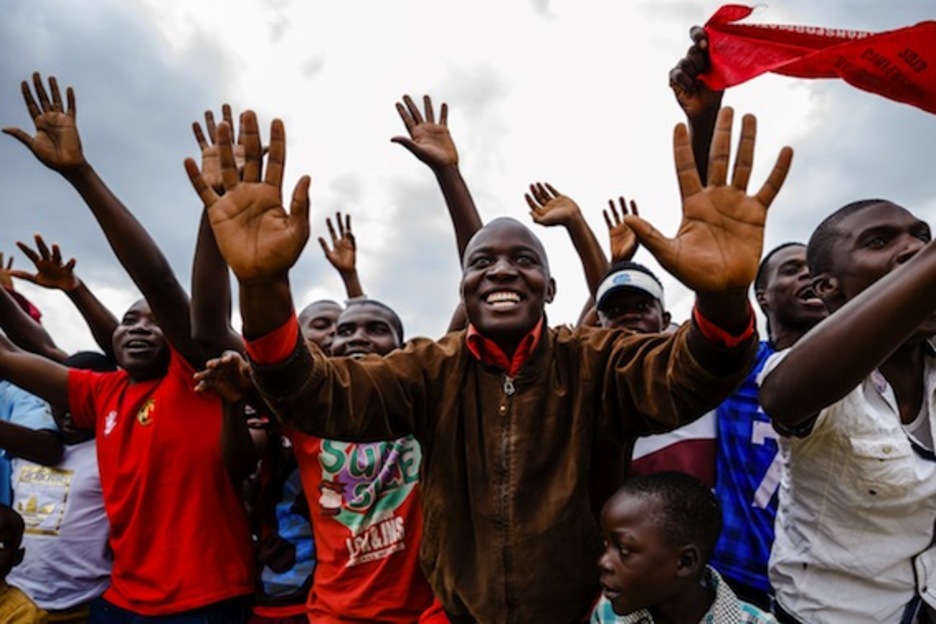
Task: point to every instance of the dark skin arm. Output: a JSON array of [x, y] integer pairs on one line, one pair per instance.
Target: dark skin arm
[[700, 103], [228, 377], [44, 446], [258, 238], [432, 143], [549, 207], [51, 272], [718, 246], [57, 145], [828, 363], [35, 374], [211, 289], [343, 254], [24, 331]]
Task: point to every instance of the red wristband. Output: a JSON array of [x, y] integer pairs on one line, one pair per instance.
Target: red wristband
[[714, 333]]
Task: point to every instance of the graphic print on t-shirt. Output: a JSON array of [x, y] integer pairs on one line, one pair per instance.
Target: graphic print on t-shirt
[[362, 487], [41, 496]]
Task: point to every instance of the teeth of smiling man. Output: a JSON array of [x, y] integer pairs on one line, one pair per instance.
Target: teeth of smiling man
[[503, 299]]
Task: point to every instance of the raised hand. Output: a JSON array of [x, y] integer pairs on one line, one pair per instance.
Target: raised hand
[[6, 273], [211, 159], [227, 377], [343, 252], [258, 238], [693, 95], [429, 141], [50, 271], [550, 207], [623, 239], [56, 142], [720, 239]]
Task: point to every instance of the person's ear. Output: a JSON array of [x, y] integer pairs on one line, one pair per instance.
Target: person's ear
[[18, 558], [667, 319], [551, 290], [761, 297], [688, 561], [826, 287]]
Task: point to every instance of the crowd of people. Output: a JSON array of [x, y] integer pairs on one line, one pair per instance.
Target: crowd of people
[[318, 466]]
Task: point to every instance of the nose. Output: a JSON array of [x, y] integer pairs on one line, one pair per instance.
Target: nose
[[501, 269], [911, 246], [604, 564]]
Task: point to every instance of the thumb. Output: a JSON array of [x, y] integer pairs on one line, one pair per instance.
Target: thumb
[[20, 136], [406, 142], [651, 238], [23, 275]]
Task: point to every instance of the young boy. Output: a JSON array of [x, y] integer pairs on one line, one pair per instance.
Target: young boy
[[659, 531], [15, 606], [853, 402], [508, 411]]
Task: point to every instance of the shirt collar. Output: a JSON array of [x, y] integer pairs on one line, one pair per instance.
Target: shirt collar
[[489, 352]]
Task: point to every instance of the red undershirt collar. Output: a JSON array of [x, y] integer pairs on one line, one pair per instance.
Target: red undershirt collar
[[489, 352]]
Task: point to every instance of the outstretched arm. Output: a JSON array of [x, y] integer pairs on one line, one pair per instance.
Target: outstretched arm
[[257, 237], [57, 145], [211, 286], [718, 246], [549, 207], [343, 254], [432, 143], [828, 362], [700, 103], [51, 272], [42, 446], [19, 326]]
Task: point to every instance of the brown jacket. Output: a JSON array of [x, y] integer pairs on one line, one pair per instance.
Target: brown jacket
[[510, 466]]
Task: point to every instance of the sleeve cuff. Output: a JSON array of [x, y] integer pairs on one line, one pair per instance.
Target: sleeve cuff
[[714, 333], [275, 346]]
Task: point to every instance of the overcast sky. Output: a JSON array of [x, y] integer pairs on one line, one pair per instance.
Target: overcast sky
[[570, 92]]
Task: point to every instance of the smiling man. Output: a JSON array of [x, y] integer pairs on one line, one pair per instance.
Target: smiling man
[[512, 418]]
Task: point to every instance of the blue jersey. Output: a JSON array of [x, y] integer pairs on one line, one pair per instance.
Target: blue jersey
[[748, 469]]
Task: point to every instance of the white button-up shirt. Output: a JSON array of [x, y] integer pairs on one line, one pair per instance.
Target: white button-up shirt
[[857, 505]]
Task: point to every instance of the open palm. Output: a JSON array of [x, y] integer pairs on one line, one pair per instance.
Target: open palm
[[719, 242]]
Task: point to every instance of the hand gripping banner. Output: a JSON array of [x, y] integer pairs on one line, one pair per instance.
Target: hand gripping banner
[[898, 64]]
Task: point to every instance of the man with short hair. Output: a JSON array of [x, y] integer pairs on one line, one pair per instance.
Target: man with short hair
[[509, 411]]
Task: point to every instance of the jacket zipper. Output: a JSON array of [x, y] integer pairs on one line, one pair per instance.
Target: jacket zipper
[[503, 410]]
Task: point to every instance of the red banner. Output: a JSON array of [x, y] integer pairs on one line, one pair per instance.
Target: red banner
[[898, 64]]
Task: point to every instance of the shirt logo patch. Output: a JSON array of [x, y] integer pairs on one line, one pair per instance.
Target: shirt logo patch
[[110, 421], [145, 415]]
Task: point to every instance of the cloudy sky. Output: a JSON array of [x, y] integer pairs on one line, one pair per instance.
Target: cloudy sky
[[570, 92]]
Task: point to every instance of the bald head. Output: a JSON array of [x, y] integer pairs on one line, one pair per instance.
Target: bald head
[[506, 226]]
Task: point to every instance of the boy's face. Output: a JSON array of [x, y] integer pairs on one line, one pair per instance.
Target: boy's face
[[364, 329], [638, 568], [633, 309], [788, 294], [505, 281], [317, 323], [872, 242], [11, 536], [139, 344]]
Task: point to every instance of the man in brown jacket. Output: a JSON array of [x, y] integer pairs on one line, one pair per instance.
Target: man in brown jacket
[[514, 418]]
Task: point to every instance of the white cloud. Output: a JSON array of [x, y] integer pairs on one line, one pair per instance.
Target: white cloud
[[568, 92]]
